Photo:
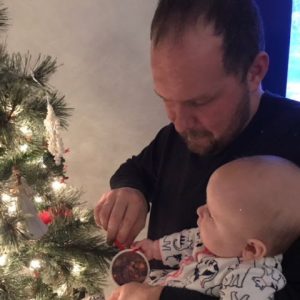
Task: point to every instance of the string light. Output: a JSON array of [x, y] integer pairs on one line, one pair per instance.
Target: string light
[[10, 202], [57, 185], [61, 290], [83, 215], [5, 198], [3, 260], [26, 131], [77, 269], [83, 218], [24, 148], [38, 199], [35, 264]]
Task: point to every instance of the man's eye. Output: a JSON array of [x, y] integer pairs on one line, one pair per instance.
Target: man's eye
[[201, 102], [196, 103]]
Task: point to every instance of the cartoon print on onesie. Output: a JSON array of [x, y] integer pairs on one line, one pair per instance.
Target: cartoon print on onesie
[[269, 278], [183, 245]]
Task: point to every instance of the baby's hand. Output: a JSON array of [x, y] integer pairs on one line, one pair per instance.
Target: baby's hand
[[149, 248]]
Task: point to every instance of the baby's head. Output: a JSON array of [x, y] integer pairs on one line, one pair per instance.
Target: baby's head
[[252, 209]]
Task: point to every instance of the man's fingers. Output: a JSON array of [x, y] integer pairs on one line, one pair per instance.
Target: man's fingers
[[115, 219], [133, 222], [102, 210], [97, 210], [115, 295], [122, 213], [127, 227]]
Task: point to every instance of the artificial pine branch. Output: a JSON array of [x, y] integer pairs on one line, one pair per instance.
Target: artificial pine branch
[[3, 18], [12, 235], [72, 257], [43, 68]]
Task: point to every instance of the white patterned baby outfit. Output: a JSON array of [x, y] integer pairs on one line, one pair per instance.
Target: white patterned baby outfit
[[225, 278]]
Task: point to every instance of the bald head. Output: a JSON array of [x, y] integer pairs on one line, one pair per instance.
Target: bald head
[[260, 194]]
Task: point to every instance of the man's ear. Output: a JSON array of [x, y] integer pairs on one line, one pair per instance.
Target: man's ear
[[254, 249], [257, 71]]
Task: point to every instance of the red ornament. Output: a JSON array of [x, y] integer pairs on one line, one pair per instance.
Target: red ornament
[[46, 217]]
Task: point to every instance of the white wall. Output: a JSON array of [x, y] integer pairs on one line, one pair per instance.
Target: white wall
[[104, 48]]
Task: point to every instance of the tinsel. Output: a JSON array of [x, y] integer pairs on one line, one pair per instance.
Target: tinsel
[[55, 143]]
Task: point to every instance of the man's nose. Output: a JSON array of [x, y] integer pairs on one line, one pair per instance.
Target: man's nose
[[184, 119]]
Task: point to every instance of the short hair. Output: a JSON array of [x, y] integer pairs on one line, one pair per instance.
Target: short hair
[[238, 21]]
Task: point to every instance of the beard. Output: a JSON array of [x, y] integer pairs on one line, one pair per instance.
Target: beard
[[203, 142]]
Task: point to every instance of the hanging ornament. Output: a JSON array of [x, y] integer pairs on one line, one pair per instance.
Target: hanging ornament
[[25, 204], [55, 143], [46, 217]]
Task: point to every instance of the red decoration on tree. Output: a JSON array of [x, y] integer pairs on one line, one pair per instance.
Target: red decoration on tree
[[46, 217]]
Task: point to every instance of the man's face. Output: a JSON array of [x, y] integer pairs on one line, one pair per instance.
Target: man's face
[[207, 106]]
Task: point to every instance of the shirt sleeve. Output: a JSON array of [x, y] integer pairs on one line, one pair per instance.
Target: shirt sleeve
[[141, 171], [177, 246]]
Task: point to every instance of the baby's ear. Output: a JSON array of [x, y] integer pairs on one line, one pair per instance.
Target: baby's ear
[[254, 249]]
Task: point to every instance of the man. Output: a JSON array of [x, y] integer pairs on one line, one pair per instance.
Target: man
[[208, 62]]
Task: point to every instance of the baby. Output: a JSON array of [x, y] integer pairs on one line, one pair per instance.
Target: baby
[[251, 217]]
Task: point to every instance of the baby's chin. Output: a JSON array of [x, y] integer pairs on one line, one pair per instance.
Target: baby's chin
[[207, 251]]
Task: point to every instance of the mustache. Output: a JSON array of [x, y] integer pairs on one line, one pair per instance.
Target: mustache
[[194, 134]]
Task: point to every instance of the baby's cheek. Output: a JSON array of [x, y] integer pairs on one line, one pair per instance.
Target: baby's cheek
[[205, 232], [210, 237]]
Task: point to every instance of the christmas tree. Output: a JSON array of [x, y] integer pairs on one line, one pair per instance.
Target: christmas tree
[[50, 247]]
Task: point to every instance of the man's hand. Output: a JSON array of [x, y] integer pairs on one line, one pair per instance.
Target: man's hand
[[136, 291], [122, 213]]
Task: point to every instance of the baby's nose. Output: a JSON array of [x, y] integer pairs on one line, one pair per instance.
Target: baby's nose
[[200, 210]]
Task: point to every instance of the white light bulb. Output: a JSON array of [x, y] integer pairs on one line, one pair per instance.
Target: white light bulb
[[24, 148], [5, 198], [57, 186], [41, 162], [61, 290], [12, 208], [11, 203], [38, 199], [35, 264], [83, 218], [3, 260], [76, 269], [26, 131]]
